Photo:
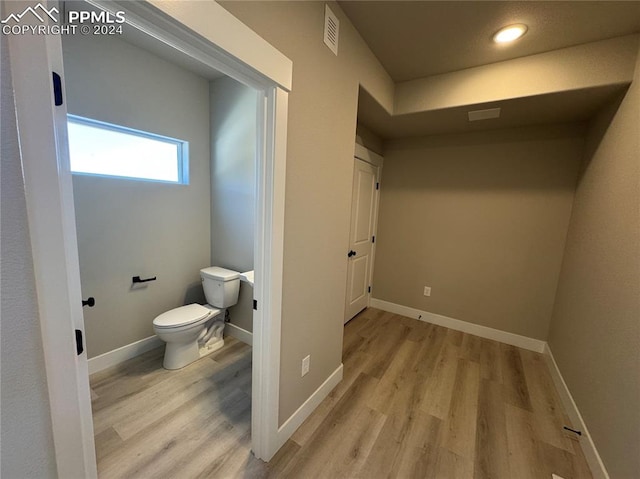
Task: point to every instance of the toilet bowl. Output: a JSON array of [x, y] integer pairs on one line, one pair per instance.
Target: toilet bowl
[[194, 330], [181, 328]]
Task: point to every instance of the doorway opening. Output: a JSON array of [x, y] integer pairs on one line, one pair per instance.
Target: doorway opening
[[163, 156], [51, 219], [362, 236]]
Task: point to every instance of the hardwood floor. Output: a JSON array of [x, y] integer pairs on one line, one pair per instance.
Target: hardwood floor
[[417, 401], [195, 422]]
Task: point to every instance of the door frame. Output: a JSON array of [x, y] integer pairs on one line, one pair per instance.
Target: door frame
[[374, 159], [206, 31]]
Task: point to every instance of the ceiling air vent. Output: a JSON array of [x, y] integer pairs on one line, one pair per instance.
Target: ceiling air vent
[[331, 30], [488, 114]]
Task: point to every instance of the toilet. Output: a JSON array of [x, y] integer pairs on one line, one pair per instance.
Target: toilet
[[194, 330]]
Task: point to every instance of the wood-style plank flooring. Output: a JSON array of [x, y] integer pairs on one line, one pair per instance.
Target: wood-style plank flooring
[[417, 401], [195, 422]]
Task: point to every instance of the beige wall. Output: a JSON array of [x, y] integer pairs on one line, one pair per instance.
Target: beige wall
[[595, 332], [481, 218], [321, 132], [233, 185], [368, 139], [128, 228], [566, 69], [25, 432]]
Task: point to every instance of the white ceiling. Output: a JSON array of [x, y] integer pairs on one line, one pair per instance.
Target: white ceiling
[[421, 38]]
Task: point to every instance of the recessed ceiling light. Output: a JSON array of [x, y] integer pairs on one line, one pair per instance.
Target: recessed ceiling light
[[510, 33]]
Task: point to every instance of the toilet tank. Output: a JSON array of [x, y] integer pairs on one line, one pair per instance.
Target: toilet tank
[[221, 286]]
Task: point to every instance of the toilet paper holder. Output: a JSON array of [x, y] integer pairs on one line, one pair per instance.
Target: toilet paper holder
[[137, 279]]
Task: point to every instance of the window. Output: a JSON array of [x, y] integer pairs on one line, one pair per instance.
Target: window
[[97, 148]]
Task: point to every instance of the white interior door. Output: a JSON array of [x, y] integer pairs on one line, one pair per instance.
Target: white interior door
[[361, 239]]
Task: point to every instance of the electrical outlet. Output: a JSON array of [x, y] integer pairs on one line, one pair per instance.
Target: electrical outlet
[[305, 365], [427, 291]]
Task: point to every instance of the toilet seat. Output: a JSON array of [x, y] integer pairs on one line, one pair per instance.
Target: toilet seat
[[184, 316]]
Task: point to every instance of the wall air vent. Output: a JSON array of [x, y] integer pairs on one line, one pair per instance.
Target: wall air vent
[[484, 114], [331, 30]]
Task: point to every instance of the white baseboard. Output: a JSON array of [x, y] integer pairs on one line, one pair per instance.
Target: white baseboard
[[297, 418], [120, 355], [464, 326], [117, 356], [239, 333], [588, 447]]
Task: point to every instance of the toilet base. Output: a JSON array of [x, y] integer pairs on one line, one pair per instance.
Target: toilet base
[[213, 345], [177, 356]]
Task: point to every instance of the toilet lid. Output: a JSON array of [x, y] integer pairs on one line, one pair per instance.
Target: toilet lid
[[182, 316]]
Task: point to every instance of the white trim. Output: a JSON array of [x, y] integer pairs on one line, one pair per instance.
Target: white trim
[[304, 411], [376, 161], [120, 355], [464, 326], [154, 20], [236, 48], [51, 219], [591, 454], [268, 268], [367, 155], [586, 442], [376, 214], [42, 129], [229, 35], [239, 333]]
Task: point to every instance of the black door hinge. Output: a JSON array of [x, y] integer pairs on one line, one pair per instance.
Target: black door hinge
[[255, 305], [369, 289], [373, 239], [377, 186], [57, 89], [79, 345]]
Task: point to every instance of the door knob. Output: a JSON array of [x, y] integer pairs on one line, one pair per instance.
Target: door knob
[[351, 253], [89, 302]]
